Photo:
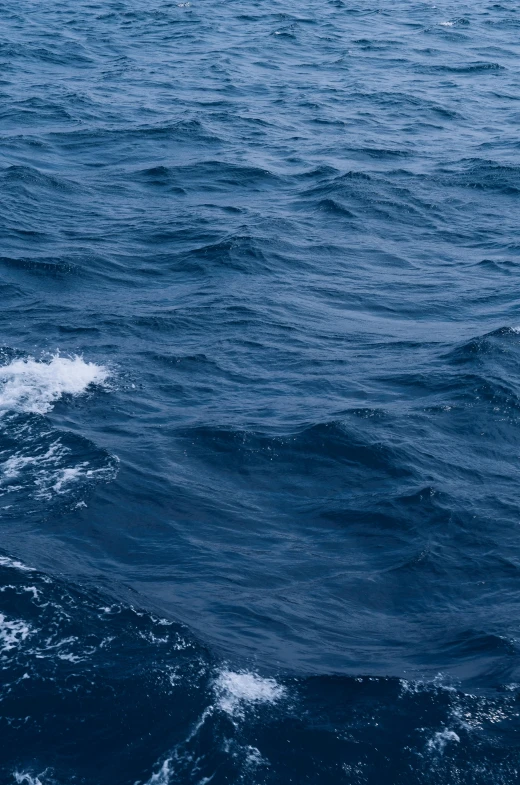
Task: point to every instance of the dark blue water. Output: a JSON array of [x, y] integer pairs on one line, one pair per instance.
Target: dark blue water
[[259, 392]]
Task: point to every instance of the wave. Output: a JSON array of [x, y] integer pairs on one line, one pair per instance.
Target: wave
[[31, 177], [274, 222], [494, 344], [334, 443], [83, 670], [366, 196], [483, 174], [39, 463], [217, 175], [468, 68], [33, 386], [48, 266]]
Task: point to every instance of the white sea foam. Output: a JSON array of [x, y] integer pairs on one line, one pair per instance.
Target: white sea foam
[[180, 754], [14, 465], [28, 385], [46, 475], [5, 561], [254, 757], [441, 738], [12, 633], [27, 779], [235, 690], [161, 777]]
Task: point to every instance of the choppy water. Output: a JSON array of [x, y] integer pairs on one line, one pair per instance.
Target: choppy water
[[259, 393]]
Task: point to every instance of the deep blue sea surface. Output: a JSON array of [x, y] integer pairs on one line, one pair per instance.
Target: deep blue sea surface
[[259, 392]]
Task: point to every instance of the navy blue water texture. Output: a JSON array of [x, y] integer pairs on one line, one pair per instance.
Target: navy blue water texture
[[259, 392]]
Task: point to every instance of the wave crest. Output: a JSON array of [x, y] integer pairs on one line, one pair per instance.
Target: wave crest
[[33, 387]]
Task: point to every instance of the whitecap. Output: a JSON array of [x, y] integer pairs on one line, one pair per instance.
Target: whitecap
[[12, 633], [27, 779], [32, 386], [441, 738], [5, 561], [235, 690]]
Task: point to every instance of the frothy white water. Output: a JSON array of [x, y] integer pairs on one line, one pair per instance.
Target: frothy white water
[[12, 633], [235, 690], [14, 466], [161, 777], [26, 779], [62, 481], [439, 741], [51, 472], [5, 561], [28, 385]]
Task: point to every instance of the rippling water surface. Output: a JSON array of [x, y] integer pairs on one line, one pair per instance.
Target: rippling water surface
[[259, 392]]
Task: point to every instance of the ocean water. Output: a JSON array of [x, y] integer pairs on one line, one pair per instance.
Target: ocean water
[[259, 392]]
